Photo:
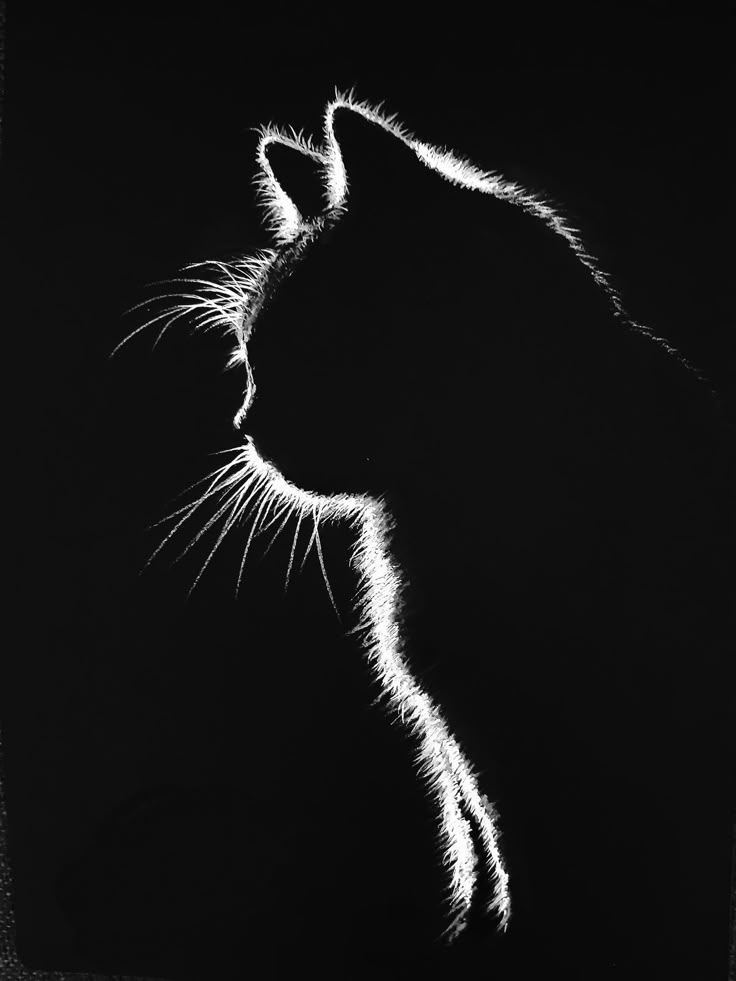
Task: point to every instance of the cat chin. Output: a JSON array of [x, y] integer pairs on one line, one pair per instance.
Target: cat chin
[[359, 476], [337, 462]]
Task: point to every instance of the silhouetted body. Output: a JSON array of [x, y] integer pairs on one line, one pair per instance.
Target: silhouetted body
[[559, 484], [558, 481]]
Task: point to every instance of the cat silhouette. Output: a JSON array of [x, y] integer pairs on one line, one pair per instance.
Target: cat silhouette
[[430, 347], [557, 481]]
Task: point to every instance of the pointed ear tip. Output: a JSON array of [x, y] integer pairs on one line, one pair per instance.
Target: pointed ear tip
[[367, 127], [346, 94], [347, 115], [297, 169]]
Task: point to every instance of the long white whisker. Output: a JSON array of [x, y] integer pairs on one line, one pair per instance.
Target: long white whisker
[[215, 517], [190, 509], [280, 529], [236, 502], [127, 338], [269, 498], [196, 483], [310, 543], [169, 322], [293, 551], [286, 506], [254, 525], [218, 485], [225, 529], [213, 489], [322, 566]]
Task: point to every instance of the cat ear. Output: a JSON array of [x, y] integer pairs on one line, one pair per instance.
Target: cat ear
[[369, 154], [288, 182]]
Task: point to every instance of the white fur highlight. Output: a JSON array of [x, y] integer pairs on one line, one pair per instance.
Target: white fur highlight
[[247, 488]]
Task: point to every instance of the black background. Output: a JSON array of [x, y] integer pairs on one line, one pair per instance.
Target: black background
[[128, 151]]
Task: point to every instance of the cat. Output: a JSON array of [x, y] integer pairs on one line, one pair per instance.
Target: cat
[[438, 341], [433, 360]]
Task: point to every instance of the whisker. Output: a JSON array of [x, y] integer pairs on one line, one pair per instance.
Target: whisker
[[169, 322], [205, 528], [190, 509], [286, 506], [197, 483], [293, 550], [268, 498], [250, 539], [237, 502], [214, 488], [311, 541], [324, 570], [149, 323], [226, 528], [280, 529]]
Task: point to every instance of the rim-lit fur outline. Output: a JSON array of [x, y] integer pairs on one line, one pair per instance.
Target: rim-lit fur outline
[[248, 488]]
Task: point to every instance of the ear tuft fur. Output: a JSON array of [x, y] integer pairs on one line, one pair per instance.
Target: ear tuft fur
[[283, 218]]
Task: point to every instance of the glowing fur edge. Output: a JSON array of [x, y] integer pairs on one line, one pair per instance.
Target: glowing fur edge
[[250, 486], [231, 301]]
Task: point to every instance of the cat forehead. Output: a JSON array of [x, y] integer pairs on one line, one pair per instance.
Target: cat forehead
[[285, 222], [293, 233]]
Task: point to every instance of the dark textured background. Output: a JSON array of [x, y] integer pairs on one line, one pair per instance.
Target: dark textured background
[[142, 835]]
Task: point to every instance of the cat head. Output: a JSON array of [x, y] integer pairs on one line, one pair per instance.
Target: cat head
[[413, 311], [383, 318]]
